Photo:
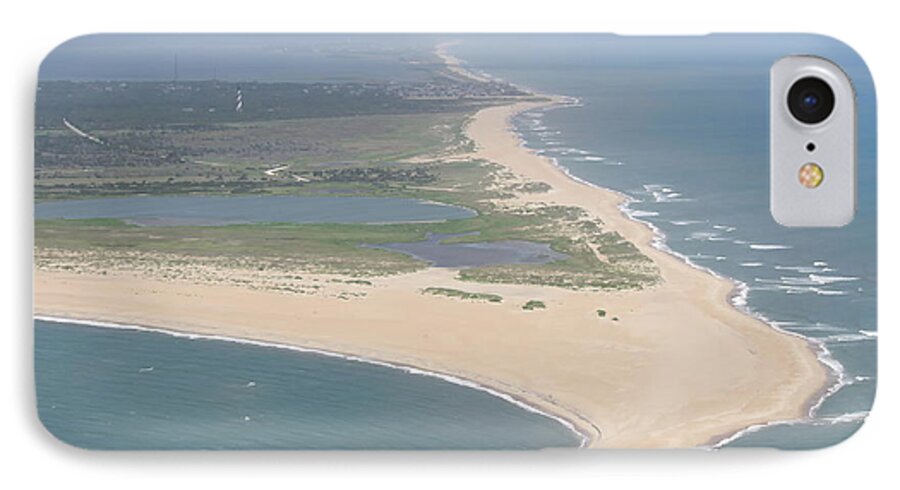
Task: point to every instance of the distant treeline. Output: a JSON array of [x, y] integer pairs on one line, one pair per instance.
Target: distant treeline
[[101, 105], [61, 150], [236, 182], [417, 175]]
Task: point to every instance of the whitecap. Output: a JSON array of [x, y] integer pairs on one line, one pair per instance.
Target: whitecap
[[701, 236], [849, 337], [766, 246], [817, 327], [843, 418], [797, 268], [785, 323], [831, 279], [664, 193]]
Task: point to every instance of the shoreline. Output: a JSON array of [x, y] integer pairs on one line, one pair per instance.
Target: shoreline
[[522, 403], [737, 297], [653, 379], [586, 424], [835, 376]]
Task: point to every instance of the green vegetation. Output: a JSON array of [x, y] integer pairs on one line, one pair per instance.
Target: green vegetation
[[355, 153], [456, 293], [111, 105], [596, 259], [534, 305], [318, 139], [323, 248], [601, 313], [363, 282], [186, 137]]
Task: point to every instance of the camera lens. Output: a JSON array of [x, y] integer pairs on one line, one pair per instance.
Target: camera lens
[[810, 100]]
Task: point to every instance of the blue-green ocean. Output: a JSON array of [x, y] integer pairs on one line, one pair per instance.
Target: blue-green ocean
[[680, 125], [118, 388]]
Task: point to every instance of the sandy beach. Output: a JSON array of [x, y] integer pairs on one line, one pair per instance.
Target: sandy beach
[[680, 367]]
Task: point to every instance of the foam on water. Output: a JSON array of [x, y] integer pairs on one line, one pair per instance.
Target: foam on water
[[764, 246], [665, 194]]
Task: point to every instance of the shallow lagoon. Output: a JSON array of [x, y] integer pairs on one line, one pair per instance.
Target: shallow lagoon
[[474, 254], [225, 210]]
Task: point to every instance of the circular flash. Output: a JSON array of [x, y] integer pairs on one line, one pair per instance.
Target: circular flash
[[811, 175]]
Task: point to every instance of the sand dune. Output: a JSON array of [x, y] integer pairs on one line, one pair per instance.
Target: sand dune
[[679, 367]]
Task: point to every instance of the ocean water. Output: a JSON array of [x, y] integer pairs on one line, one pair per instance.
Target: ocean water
[[222, 210], [680, 125], [107, 388]]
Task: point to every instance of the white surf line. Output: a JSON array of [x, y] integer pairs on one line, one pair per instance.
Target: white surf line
[[739, 300], [815, 422], [273, 171], [82, 133], [466, 383], [738, 297]]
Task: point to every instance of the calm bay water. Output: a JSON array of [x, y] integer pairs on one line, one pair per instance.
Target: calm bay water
[[220, 210], [458, 255], [104, 388], [681, 126]]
